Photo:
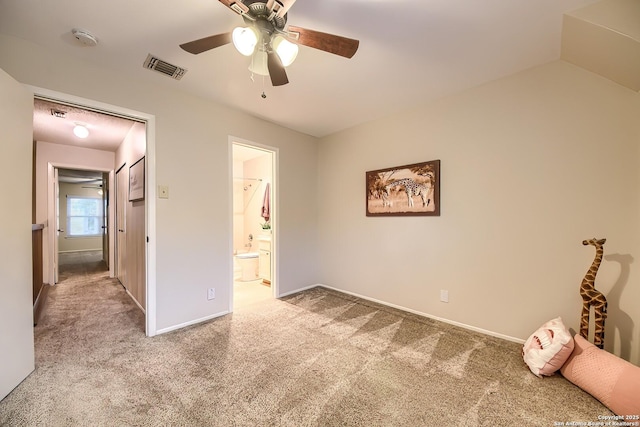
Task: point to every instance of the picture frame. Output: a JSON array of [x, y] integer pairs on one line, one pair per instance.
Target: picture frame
[[136, 181], [409, 190]]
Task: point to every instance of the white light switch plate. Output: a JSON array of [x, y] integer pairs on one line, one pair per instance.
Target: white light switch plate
[[444, 295]]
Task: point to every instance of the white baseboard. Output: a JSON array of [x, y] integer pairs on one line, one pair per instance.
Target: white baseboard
[[136, 301], [419, 313], [192, 322], [80, 250], [301, 289]]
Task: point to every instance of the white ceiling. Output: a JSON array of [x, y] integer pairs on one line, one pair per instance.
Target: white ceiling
[[411, 51], [106, 132]]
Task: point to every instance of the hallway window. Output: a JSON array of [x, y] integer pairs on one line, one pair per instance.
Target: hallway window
[[84, 216]]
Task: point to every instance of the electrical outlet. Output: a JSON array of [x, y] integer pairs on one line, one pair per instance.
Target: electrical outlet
[[163, 191], [444, 295], [211, 293]]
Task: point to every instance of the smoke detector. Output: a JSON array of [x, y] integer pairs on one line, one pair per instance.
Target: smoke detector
[[84, 37]]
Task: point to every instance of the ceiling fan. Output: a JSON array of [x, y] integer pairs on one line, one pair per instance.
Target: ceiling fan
[[270, 45]]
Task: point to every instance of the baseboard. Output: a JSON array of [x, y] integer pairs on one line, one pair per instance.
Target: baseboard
[[135, 300], [192, 322], [301, 289], [38, 305], [419, 313]]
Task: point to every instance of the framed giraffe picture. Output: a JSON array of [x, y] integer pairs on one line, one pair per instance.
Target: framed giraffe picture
[[411, 190]]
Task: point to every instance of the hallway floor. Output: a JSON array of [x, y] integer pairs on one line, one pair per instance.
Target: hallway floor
[[74, 266]]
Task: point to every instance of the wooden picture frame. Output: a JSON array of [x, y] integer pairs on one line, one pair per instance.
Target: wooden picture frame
[[410, 190], [136, 181]]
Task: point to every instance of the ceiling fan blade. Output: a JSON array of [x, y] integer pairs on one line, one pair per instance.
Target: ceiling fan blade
[[286, 5], [276, 70], [236, 5], [207, 43], [331, 43]]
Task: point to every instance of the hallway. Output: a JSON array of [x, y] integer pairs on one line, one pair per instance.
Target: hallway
[[73, 266]]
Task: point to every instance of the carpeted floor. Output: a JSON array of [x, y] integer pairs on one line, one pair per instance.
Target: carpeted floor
[[317, 358]]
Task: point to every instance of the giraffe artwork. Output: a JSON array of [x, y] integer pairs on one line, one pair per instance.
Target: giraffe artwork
[[393, 191], [412, 188], [593, 298]]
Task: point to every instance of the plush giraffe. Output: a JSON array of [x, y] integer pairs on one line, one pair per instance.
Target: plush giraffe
[[593, 298], [412, 188]]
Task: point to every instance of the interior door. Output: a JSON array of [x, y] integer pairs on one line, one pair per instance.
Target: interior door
[[105, 220], [56, 204], [122, 186], [16, 303]]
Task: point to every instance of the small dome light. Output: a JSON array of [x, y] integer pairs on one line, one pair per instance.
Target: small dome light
[[80, 131]]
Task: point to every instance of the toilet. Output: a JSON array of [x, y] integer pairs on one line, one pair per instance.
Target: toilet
[[248, 263]]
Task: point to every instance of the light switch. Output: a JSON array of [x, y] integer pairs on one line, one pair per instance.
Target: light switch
[[163, 191]]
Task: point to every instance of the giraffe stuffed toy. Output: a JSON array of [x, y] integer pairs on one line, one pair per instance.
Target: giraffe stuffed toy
[[593, 298]]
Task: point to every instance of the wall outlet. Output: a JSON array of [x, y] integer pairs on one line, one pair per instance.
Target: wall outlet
[[444, 295], [163, 191], [211, 293]]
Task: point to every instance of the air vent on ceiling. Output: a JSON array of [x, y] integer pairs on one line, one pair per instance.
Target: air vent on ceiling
[[58, 113], [163, 67]]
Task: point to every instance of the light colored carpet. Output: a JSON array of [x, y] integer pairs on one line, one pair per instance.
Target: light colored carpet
[[317, 358]]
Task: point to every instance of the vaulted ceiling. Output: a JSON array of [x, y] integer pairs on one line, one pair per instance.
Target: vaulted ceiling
[[411, 51]]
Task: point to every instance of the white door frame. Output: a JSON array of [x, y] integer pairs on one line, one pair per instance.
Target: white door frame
[[53, 214], [150, 183], [275, 282]]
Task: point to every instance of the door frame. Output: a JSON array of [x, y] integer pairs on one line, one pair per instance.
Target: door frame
[[53, 214], [275, 282], [150, 184]]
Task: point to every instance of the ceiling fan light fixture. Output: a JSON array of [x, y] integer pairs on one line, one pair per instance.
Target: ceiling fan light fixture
[[245, 40], [287, 51], [259, 63], [80, 131]]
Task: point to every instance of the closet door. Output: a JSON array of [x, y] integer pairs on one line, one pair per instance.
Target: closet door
[[122, 197]]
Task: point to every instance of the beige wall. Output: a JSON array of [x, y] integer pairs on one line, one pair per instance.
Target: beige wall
[[194, 237], [532, 164], [74, 244]]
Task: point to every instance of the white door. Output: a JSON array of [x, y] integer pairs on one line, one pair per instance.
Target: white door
[[122, 187], [56, 241], [53, 218], [105, 219], [16, 304]]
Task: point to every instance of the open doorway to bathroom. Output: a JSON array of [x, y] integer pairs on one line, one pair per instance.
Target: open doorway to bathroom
[[254, 231]]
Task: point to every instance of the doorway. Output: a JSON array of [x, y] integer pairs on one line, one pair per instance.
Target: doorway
[[82, 222], [254, 223], [135, 145]]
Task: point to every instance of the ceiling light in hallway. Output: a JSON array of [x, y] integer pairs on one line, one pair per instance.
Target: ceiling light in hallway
[[80, 131]]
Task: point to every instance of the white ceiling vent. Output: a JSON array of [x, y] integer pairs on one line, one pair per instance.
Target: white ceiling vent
[[163, 67]]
